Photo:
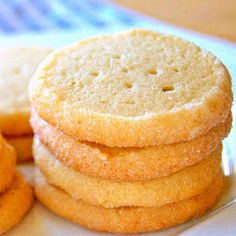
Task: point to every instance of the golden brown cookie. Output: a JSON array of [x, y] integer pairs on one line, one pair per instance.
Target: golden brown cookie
[[16, 69], [15, 203], [23, 147], [7, 165], [184, 184], [127, 164], [126, 219], [132, 89]]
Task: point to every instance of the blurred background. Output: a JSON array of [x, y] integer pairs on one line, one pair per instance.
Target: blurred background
[[213, 17]]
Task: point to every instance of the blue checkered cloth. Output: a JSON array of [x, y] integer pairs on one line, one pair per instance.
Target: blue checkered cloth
[[17, 16], [59, 22]]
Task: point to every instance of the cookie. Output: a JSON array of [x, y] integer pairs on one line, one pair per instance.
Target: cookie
[[2, 144], [126, 219], [16, 69], [184, 184], [127, 164], [23, 147], [7, 165], [15, 203], [133, 89]]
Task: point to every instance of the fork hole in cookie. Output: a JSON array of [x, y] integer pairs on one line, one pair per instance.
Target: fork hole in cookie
[[125, 70], [152, 71], [176, 70], [128, 85], [167, 88], [94, 73]]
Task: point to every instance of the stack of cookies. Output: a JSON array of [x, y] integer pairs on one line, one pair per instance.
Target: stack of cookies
[[16, 68], [128, 131], [16, 196]]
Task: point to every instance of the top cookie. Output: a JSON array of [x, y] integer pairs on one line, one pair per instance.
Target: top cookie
[[137, 88], [16, 68]]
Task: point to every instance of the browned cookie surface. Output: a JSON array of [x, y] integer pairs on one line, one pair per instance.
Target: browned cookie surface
[[23, 147], [126, 219], [184, 184], [15, 203], [127, 164]]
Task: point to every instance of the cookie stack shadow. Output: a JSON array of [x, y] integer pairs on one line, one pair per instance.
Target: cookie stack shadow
[[16, 196], [127, 175]]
